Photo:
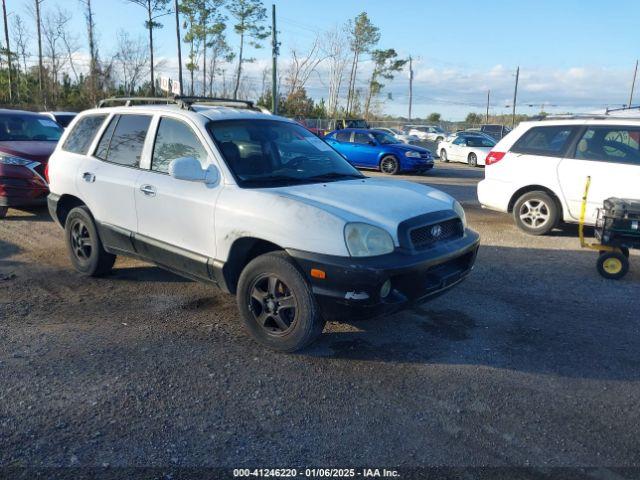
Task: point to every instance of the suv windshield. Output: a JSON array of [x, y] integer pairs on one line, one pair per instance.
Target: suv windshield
[[267, 153], [384, 138], [17, 127]]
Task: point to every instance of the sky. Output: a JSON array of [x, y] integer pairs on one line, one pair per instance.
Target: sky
[[574, 55]]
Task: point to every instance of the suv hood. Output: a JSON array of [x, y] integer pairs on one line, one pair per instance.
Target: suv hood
[[29, 150], [384, 203]]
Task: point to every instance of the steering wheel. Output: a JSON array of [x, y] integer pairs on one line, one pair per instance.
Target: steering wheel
[[296, 162], [620, 147]]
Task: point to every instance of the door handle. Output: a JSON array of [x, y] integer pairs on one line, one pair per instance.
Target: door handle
[[88, 177], [148, 190]]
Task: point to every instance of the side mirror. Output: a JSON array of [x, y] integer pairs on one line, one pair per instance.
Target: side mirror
[[190, 169]]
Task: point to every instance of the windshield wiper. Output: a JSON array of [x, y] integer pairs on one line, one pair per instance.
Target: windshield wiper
[[336, 176]]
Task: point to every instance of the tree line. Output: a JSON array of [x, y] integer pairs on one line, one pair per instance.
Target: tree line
[[70, 70]]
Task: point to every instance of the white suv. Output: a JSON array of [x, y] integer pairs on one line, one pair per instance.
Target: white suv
[[538, 171], [427, 132], [258, 205]]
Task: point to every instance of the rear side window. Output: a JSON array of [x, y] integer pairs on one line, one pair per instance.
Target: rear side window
[[123, 140], [549, 141], [80, 138], [612, 144], [175, 139], [343, 137], [361, 138]]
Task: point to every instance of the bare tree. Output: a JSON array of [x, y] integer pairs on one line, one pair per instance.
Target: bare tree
[[54, 25], [8, 48], [132, 61], [93, 49], [71, 46], [155, 9], [335, 42], [303, 65]]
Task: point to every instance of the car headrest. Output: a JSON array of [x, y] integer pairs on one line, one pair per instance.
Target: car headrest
[[583, 145]]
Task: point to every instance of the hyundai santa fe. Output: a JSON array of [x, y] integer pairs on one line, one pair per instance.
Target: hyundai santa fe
[[257, 205]]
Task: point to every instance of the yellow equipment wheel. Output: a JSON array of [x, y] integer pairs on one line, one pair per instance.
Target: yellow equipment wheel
[[613, 265]]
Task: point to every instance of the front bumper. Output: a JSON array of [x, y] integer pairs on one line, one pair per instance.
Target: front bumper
[[21, 186], [352, 286]]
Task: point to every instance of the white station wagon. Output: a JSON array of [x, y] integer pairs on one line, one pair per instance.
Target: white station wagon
[[538, 171], [258, 205]]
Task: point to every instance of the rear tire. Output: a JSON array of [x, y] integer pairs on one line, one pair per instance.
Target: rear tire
[[472, 160], [536, 213], [277, 305], [613, 265], [389, 165], [443, 156], [3, 211], [86, 252]]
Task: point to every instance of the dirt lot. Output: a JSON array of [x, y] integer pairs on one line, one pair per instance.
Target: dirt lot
[[532, 361]]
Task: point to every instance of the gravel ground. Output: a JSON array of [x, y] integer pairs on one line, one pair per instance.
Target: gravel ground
[[531, 361]]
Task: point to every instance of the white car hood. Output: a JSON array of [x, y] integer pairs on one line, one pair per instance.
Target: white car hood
[[380, 202]]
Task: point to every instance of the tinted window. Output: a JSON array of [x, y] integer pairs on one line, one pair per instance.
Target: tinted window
[[614, 144], [25, 127], [175, 139], [343, 136], [80, 138], [480, 142], [361, 138], [550, 141], [123, 141], [269, 153], [64, 119], [460, 141]]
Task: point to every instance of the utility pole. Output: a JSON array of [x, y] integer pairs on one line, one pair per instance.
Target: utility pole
[[179, 47], [410, 86], [488, 100], [274, 66], [515, 98], [6, 36], [633, 84]]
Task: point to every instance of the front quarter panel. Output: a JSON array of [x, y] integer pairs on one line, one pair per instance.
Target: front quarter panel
[[289, 224]]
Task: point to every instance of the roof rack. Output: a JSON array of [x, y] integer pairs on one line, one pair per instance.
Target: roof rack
[[183, 101]]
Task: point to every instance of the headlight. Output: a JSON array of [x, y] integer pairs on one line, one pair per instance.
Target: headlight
[[366, 240], [413, 154], [460, 211], [11, 160]]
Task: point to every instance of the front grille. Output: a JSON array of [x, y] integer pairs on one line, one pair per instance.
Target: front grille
[[427, 235]]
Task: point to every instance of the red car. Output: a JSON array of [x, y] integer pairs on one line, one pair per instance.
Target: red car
[[26, 141]]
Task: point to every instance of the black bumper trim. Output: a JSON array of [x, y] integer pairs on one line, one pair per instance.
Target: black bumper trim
[[52, 205], [22, 202], [352, 285]]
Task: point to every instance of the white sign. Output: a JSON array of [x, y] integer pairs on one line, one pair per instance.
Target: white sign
[[175, 87], [165, 82]]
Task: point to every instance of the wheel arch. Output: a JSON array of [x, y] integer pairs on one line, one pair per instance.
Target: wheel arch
[[242, 251], [66, 203], [387, 153], [534, 188]]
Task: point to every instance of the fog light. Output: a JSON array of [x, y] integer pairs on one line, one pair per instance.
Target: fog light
[[385, 290]]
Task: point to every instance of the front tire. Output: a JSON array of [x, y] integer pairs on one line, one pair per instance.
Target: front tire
[[277, 305], [86, 252], [443, 156], [536, 213], [472, 160], [3, 212], [389, 165]]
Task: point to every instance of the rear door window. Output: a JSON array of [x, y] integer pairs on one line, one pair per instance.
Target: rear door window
[[343, 137], [123, 140], [80, 138], [551, 141], [361, 138], [616, 144]]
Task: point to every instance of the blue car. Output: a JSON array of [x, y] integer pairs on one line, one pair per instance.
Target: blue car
[[378, 150]]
